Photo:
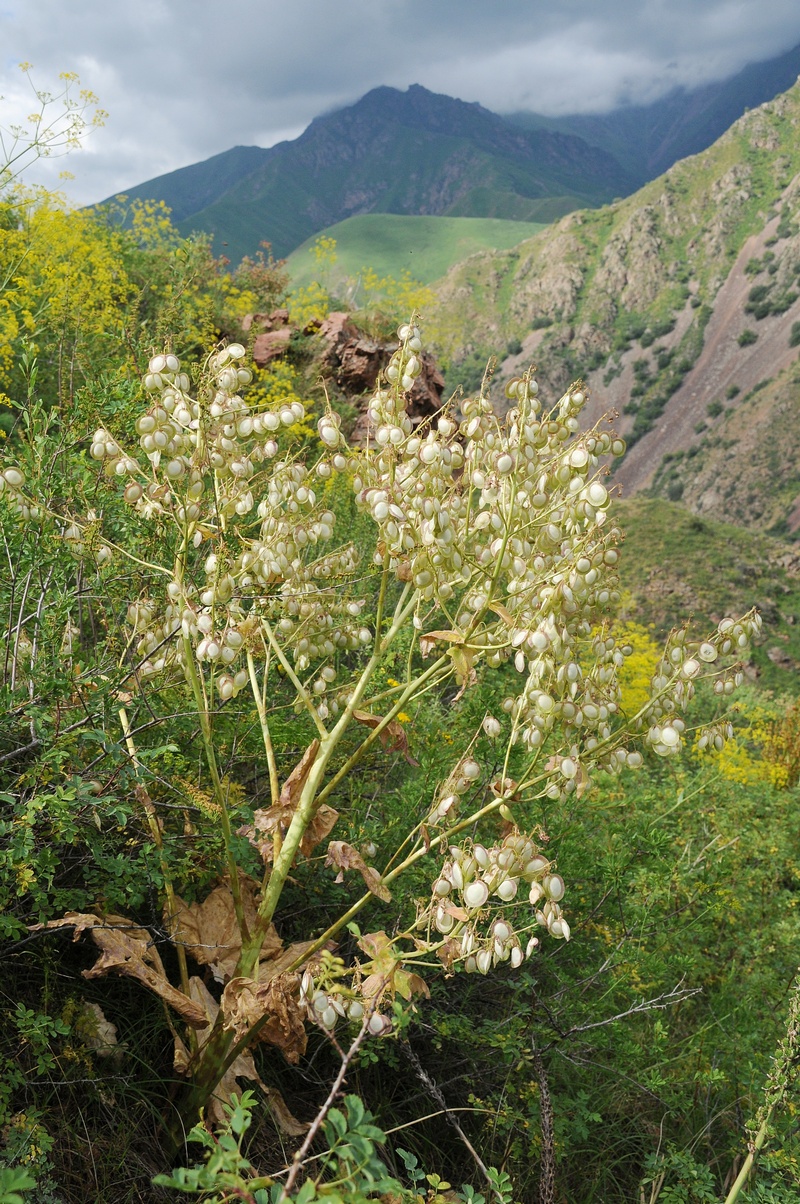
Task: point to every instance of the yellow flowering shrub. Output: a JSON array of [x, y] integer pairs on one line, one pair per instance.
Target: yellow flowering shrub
[[311, 303], [757, 752], [636, 672], [62, 283]]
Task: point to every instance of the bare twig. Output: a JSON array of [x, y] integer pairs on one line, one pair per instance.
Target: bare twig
[[435, 1092], [547, 1173], [668, 999], [297, 1160]]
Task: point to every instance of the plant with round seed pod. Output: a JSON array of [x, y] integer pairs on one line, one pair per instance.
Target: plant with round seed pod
[[493, 544]]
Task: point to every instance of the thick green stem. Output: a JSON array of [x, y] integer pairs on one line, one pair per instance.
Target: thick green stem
[[258, 698], [216, 783], [155, 831], [750, 1161], [216, 1055]]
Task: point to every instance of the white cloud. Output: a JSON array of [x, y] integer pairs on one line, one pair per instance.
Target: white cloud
[[182, 81]]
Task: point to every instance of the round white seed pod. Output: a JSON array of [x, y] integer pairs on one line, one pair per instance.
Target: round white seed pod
[[475, 894]]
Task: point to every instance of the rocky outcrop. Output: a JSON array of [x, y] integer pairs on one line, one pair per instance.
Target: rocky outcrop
[[348, 356], [271, 345], [354, 360]]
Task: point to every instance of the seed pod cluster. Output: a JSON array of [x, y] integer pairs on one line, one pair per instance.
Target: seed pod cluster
[[327, 998], [480, 880], [683, 664], [12, 485], [502, 521]]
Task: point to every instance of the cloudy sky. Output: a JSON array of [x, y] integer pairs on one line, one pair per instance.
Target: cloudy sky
[[182, 81]]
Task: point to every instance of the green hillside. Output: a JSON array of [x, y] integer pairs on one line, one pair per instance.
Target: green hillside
[[391, 243], [675, 303], [412, 152], [677, 565]]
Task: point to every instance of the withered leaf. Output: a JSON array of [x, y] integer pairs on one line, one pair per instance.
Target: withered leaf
[[380, 950], [99, 1034], [320, 827], [345, 857], [129, 951], [293, 786], [267, 821], [462, 658], [209, 930], [393, 736], [449, 637], [245, 1002], [408, 984], [504, 614], [426, 645], [448, 953], [243, 1067], [387, 973], [461, 654]]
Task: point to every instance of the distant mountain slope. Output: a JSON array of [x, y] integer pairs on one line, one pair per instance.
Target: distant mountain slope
[[191, 189], [648, 139], [412, 152], [676, 304], [391, 243]]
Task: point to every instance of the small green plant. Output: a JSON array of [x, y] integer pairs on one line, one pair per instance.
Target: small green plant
[[13, 1183], [350, 1170], [747, 338]]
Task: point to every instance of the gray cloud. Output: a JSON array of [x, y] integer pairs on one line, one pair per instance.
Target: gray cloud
[[182, 81]]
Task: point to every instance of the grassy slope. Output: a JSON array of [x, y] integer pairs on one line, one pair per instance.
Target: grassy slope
[[677, 565], [390, 243]]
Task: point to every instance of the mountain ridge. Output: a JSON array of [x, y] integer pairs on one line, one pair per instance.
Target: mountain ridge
[[649, 139], [419, 152], [678, 305], [413, 152]]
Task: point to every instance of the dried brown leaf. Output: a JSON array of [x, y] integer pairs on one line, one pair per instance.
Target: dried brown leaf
[[246, 1002], [345, 857], [99, 1034], [449, 953], [293, 786], [209, 930], [408, 984], [129, 951], [427, 644], [393, 736], [268, 821]]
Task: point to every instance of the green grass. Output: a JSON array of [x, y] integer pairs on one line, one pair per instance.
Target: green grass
[[390, 243], [677, 565]]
